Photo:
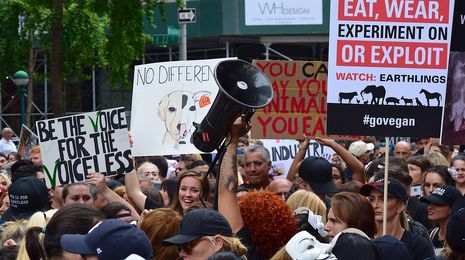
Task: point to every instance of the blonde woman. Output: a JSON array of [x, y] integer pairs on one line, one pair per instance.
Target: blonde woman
[[304, 198]]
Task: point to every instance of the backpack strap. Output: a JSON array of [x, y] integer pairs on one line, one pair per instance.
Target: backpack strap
[[433, 233]]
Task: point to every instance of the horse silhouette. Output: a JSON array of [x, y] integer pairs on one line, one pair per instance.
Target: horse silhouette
[[429, 95], [418, 102], [377, 92], [393, 100], [407, 101], [347, 95]]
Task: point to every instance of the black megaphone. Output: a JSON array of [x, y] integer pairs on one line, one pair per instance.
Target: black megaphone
[[242, 89]]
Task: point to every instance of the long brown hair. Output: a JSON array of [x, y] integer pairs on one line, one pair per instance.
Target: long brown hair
[[159, 225], [204, 189], [355, 210]]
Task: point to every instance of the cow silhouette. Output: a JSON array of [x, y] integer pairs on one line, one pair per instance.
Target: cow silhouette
[[393, 100], [407, 101], [377, 92], [347, 95], [431, 95]]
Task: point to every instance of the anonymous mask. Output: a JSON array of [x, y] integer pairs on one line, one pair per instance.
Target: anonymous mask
[[303, 246]]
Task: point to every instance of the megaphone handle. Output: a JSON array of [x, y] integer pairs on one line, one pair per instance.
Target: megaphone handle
[[249, 113]]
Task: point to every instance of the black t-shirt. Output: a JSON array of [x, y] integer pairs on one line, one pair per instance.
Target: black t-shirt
[[152, 204], [244, 236], [418, 246], [458, 204]]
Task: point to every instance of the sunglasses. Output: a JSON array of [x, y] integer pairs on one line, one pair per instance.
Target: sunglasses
[[187, 247]]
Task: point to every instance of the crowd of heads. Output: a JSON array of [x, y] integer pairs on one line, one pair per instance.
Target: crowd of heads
[[168, 207]]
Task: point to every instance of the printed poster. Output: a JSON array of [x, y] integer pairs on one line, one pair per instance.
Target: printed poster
[[283, 152], [453, 132], [27, 140], [388, 65], [299, 101], [168, 98], [73, 146]]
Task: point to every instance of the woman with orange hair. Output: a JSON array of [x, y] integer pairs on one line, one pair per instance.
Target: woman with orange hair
[[269, 221], [263, 221]]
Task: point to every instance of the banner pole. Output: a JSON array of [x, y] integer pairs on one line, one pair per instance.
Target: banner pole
[[386, 165]]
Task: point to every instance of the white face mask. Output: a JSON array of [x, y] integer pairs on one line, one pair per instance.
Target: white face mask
[[304, 246]]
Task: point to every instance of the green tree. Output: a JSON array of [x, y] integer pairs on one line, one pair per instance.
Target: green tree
[[76, 35]]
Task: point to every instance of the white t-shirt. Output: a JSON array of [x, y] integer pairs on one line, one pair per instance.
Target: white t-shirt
[[7, 146]]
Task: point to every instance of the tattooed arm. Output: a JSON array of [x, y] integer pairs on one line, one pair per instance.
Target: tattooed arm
[[227, 201]]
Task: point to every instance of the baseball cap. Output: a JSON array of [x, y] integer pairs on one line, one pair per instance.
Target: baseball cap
[[198, 223], [109, 239], [27, 196], [391, 248], [395, 189], [455, 231], [317, 171], [358, 148], [442, 195]]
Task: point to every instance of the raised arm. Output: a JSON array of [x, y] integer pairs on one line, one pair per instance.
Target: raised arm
[[227, 201], [110, 196], [358, 170], [134, 191], [303, 146]]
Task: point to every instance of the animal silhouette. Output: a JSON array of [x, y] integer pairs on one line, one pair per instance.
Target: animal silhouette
[[418, 102], [358, 100], [429, 95], [407, 101], [347, 95], [393, 100], [377, 92], [365, 102]]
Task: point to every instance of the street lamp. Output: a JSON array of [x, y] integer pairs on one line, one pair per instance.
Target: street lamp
[[21, 78]]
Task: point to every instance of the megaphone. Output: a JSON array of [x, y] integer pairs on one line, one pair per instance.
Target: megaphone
[[242, 89]]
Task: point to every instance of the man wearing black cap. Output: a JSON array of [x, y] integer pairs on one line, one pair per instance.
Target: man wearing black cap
[[316, 175], [109, 239], [27, 196]]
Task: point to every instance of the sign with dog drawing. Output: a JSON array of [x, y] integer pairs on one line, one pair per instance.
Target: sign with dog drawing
[[73, 146], [168, 98], [388, 65]]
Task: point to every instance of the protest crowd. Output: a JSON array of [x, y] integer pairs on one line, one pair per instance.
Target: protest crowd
[[172, 207]]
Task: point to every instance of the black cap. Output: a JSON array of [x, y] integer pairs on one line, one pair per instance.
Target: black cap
[[455, 232], [27, 196], [198, 223], [318, 172], [442, 195], [395, 189], [109, 239], [390, 247]]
